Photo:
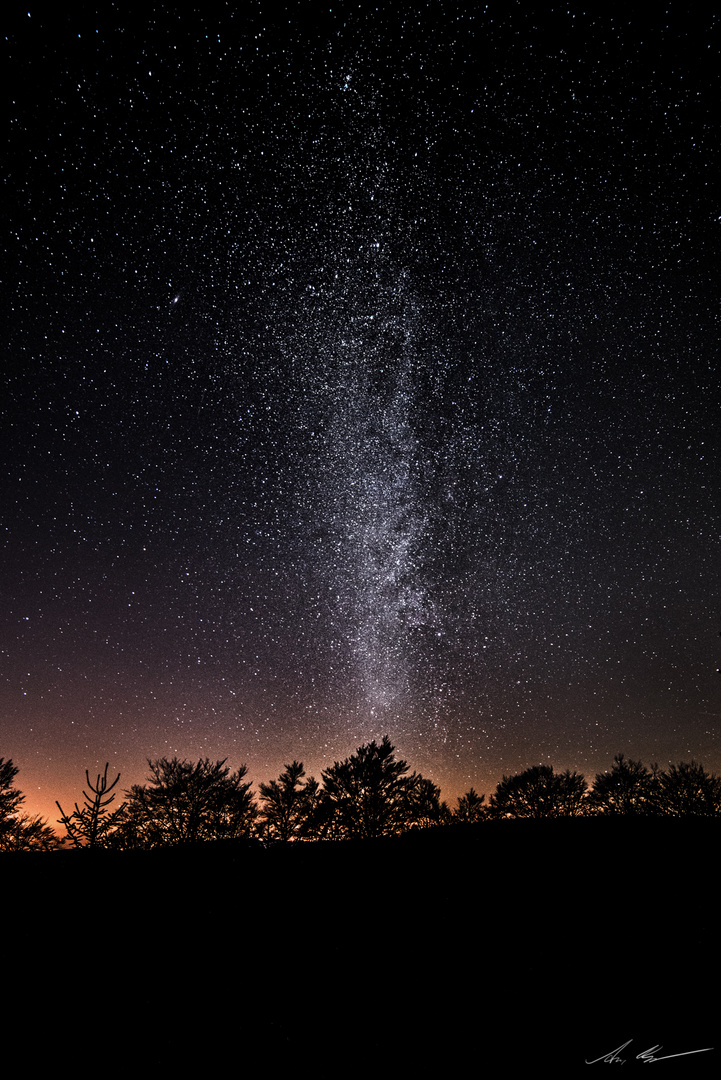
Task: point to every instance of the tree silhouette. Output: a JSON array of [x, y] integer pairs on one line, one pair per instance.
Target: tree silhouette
[[10, 797], [92, 826], [19, 831], [627, 788], [423, 806], [289, 807], [571, 794], [470, 807], [687, 790], [368, 794], [538, 793], [185, 802]]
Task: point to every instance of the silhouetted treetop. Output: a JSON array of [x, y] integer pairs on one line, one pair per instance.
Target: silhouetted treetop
[[18, 830], [539, 793], [471, 807], [93, 825], [424, 808], [626, 789], [687, 790], [369, 794], [184, 802], [289, 807]]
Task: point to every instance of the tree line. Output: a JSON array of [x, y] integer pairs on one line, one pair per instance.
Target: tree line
[[370, 794]]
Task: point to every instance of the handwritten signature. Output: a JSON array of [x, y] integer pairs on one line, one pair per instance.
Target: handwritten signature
[[647, 1056]]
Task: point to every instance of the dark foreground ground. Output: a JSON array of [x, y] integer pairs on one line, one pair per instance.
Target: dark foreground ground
[[508, 949]]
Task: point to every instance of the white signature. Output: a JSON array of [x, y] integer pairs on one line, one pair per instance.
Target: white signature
[[646, 1056]]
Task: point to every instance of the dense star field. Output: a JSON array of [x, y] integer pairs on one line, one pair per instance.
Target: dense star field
[[361, 377]]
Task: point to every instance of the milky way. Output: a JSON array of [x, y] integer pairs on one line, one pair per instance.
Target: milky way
[[362, 379]]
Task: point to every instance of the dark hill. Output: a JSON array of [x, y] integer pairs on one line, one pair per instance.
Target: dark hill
[[517, 944]]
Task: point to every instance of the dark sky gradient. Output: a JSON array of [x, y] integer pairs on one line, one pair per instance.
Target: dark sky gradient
[[361, 377]]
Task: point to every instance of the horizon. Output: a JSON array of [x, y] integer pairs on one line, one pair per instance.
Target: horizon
[[451, 802]]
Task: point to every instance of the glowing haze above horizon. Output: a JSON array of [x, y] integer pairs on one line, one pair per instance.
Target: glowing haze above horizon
[[361, 378]]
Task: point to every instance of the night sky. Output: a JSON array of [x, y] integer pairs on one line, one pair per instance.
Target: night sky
[[360, 377]]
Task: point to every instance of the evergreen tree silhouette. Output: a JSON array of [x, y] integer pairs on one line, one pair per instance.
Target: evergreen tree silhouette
[[540, 793], [687, 790], [368, 794], [186, 802], [627, 788], [93, 825], [18, 830], [289, 807], [471, 807]]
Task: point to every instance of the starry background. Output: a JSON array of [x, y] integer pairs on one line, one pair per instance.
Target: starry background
[[360, 378]]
